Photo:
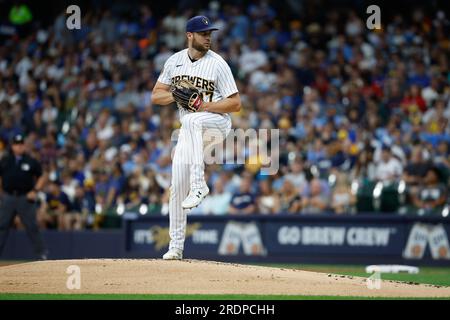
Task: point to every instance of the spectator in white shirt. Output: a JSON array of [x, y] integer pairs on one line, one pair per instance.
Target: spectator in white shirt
[[389, 167], [297, 175], [263, 79], [253, 58], [173, 27]]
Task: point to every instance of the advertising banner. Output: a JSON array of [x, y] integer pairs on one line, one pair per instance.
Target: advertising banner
[[393, 238]]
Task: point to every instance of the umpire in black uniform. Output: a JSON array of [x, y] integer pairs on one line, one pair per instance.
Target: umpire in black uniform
[[21, 178]]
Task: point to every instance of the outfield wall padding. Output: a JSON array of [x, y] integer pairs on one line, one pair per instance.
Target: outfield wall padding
[[362, 239]]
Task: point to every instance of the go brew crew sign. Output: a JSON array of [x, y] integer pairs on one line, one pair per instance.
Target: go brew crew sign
[[336, 238]]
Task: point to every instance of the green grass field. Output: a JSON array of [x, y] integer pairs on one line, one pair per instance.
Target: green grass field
[[427, 275]]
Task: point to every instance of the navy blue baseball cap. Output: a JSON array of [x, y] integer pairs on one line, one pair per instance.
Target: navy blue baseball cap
[[199, 24]]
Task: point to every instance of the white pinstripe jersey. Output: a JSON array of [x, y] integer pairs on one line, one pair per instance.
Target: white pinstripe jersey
[[211, 74]]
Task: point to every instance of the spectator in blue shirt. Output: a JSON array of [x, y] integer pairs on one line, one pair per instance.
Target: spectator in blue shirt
[[244, 201], [316, 153]]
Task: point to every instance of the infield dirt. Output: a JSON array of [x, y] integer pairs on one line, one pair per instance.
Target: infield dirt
[[152, 276]]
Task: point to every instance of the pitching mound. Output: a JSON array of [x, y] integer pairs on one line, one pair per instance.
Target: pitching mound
[[194, 277]]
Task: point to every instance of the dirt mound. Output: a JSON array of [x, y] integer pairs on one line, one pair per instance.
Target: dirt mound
[[194, 277]]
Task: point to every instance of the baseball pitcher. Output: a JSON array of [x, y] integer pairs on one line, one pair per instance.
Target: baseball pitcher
[[202, 85]]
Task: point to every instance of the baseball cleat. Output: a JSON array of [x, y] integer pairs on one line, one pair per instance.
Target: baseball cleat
[[195, 197], [173, 254]]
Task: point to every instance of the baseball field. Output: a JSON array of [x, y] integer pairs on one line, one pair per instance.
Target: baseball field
[[195, 279]]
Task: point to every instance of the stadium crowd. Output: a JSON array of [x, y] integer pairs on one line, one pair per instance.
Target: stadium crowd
[[355, 107]]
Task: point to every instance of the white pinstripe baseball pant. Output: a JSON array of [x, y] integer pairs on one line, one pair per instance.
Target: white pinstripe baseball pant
[[188, 165]]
